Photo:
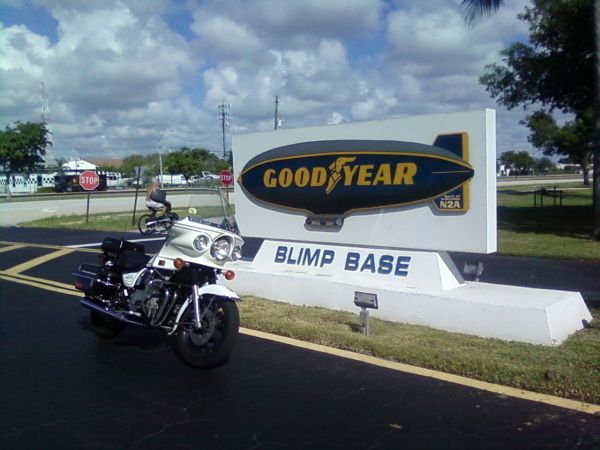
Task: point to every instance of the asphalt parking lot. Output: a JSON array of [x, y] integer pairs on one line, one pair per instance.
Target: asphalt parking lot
[[62, 387]]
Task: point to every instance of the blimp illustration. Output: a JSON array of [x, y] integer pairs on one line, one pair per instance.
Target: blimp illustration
[[336, 177]]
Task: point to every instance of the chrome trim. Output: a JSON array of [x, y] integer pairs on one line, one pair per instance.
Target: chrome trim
[[93, 306]]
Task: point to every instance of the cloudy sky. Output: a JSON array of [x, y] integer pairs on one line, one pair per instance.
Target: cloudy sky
[[118, 73]]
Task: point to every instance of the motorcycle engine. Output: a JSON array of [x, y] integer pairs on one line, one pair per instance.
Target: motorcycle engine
[[152, 297], [146, 295]]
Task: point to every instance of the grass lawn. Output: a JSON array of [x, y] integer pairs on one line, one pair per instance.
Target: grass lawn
[[112, 221], [549, 232]]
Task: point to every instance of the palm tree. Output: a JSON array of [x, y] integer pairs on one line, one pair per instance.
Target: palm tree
[[478, 9]]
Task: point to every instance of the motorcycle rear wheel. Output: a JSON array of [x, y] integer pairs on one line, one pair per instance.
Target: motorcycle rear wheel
[[104, 326], [143, 227], [212, 344]]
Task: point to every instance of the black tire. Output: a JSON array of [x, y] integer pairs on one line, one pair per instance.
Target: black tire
[[173, 217], [142, 225], [212, 346], [104, 326]]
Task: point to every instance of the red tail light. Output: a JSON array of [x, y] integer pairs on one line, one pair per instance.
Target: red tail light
[[229, 275]]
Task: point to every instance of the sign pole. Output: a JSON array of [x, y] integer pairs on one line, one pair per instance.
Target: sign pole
[[87, 209], [89, 181], [226, 179], [138, 171]]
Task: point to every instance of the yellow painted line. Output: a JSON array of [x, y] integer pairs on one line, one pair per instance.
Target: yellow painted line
[[38, 280], [9, 248], [41, 286], [575, 405], [54, 247], [37, 261]]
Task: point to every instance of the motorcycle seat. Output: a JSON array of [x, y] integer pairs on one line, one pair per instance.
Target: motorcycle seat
[[129, 261]]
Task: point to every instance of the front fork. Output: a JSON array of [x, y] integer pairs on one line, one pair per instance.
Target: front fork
[[198, 316], [203, 288], [196, 305]]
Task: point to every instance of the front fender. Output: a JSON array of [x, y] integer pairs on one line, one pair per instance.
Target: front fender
[[218, 290], [210, 289]]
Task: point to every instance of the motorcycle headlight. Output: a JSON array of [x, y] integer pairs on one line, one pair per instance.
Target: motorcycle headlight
[[201, 242], [237, 253], [221, 249]]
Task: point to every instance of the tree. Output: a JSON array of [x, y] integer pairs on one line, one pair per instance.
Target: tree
[[22, 148], [190, 162], [108, 168], [571, 140], [544, 164], [149, 162], [518, 161], [557, 70], [58, 164], [186, 161], [476, 10]]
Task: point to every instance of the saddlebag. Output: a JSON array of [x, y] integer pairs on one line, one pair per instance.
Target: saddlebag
[[85, 277], [113, 246]]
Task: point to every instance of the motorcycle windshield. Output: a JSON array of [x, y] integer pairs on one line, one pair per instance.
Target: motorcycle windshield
[[229, 222], [225, 219]]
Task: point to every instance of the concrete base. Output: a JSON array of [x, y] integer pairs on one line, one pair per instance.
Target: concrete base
[[510, 313]]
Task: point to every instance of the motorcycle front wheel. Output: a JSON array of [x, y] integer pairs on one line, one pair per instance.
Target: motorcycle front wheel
[[212, 344], [143, 226]]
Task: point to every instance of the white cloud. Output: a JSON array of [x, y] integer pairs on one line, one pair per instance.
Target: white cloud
[[121, 69]]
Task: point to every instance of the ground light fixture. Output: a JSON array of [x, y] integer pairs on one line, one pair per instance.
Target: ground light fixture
[[365, 300], [472, 269]]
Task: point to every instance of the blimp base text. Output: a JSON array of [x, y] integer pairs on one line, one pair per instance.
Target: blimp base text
[[418, 287]]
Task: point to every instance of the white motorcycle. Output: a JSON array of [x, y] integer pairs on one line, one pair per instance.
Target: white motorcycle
[[174, 290]]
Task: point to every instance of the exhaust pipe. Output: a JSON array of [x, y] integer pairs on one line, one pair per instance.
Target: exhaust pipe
[[102, 310]]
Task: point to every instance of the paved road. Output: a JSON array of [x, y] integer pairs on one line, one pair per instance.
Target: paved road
[[64, 388], [547, 180], [17, 212]]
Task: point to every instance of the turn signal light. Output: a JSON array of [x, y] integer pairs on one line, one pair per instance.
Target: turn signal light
[[179, 263], [229, 275]]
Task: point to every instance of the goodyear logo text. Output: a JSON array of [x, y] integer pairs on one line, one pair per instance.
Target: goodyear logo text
[[340, 169], [333, 178]]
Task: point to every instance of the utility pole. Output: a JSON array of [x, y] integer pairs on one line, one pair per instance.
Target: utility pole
[[223, 115], [49, 156], [159, 136], [276, 112]]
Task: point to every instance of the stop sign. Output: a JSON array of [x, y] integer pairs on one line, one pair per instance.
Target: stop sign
[[89, 180], [226, 177]]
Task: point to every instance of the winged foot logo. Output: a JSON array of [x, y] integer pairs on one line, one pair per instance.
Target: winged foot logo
[[334, 178]]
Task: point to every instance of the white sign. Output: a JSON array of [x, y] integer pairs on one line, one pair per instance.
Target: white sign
[[393, 183]]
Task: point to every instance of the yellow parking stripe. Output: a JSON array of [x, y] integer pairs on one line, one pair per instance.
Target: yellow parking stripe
[[8, 248], [37, 261], [41, 286], [56, 247], [588, 408], [38, 280]]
